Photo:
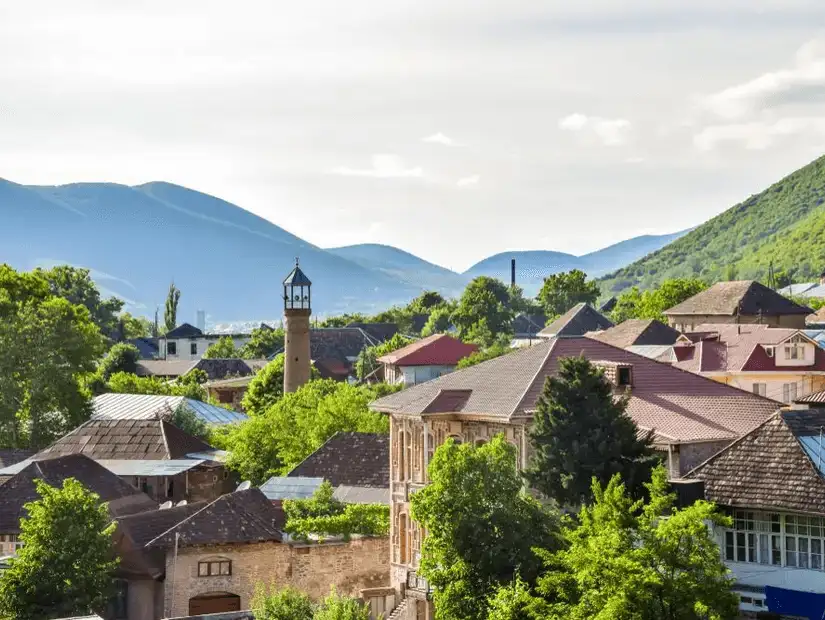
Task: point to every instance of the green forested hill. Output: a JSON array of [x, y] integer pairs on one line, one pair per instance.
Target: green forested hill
[[785, 224]]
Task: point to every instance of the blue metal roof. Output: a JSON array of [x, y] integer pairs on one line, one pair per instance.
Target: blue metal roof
[[815, 449], [150, 407], [150, 468], [281, 487]]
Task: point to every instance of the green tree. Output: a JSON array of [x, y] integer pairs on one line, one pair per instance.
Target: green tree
[[631, 560], [274, 442], [343, 320], [426, 302], [121, 357], [76, 286], [521, 304], [438, 322], [66, 565], [496, 350], [189, 422], [367, 363], [127, 383], [49, 347], [224, 348], [481, 526], [337, 607], [284, 604], [264, 341], [562, 291], [266, 388], [484, 313], [170, 315], [580, 431], [130, 327], [628, 306], [652, 304]]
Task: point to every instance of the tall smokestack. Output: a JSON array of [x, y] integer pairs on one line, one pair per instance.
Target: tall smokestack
[[201, 320], [512, 273]]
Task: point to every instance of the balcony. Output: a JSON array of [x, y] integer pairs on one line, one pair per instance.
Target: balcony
[[417, 582]]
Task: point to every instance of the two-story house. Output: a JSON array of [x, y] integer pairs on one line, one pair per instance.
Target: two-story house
[[780, 363], [691, 418], [772, 482], [742, 302], [187, 342], [424, 359]]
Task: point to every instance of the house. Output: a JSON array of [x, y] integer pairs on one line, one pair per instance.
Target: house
[[424, 359], [229, 391], [187, 342], [526, 328], [214, 368], [357, 465], [780, 363], [13, 456], [334, 349], [805, 289], [210, 558], [771, 482], [113, 406], [152, 455], [579, 320], [18, 490], [691, 418], [147, 347], [638, 333], [740, 302], [378, 332]]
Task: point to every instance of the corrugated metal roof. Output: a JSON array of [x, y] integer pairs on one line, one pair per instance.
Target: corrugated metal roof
[[362, 495], [13, 470], [150, 406], [150, 468], [280, 487], [815, 398], [654, 351], [209, 455]]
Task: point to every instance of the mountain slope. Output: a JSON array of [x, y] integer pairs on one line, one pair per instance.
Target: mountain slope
[[784, 224], [136, 240], [402, 265], [605, 260]]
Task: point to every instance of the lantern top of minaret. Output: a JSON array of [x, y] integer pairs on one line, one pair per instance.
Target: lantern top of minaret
[[297, 277]]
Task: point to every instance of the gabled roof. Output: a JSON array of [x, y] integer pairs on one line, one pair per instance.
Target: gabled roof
[[164, 368], [144, 527], [297, 277], [351, 459], [184, 330], [239, 517], [20, 488], [817, 318], [153, 407], [127, 440], [147, 347], [638, 332], [775, 466], [526, 325], [743, 297], [221, 368], [435, 350], [680, 406], [337, 342], [13, 456], [577, 321], [378, 332], [608, 305]]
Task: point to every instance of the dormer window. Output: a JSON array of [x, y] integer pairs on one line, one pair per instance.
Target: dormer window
[[770, 351], [794, 352], [624, 376]]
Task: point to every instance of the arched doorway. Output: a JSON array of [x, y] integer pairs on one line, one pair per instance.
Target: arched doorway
[[214, 603]]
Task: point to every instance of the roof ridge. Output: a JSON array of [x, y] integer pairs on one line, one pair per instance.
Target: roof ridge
[[535, 376], [182, 521]]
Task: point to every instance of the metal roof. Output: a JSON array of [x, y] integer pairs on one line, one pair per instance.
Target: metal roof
[[654, 351], [13, 470], [150, 468], [209, 455], [150, 407], [281, 487], [362, 495], [297, 277], [814, 447]]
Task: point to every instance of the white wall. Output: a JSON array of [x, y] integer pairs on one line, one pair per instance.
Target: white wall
[[420, 374], [183, 347]]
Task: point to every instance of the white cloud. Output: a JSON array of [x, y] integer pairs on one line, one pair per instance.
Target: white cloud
[[467, 181], [738, 101], [440, 138], [609, 131], [384, 166], [757, 135]]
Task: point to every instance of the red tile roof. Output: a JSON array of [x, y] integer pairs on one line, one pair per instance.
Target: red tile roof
[[679, 406], [435, 350]]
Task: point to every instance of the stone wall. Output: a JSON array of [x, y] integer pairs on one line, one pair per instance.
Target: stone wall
[[691, 455], [350, 567]]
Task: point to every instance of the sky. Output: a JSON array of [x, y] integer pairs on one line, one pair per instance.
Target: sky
[[453, 130]]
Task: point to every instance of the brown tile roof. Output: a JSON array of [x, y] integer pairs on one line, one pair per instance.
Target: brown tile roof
[[577, 321], [20, 488], [127, 440], [164, 368], [378, 332], [239, 517], [768, 468], [220, 368], [144, 527], [746, 297], [636, 332], [679, 406], [12, 456], [435, 350], [350, 459]]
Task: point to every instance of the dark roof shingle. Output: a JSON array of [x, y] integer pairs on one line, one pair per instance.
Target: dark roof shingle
[[350, 459], [743, 297], [636, 332], [143, 527], [577, 321]]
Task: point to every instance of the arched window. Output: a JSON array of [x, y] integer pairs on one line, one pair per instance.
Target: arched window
[[456, 438], [403, 538]]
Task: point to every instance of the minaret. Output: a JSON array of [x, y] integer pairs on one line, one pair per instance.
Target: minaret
[[297, 308]]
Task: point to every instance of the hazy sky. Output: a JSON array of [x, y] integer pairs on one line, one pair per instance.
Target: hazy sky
[[450, 128]]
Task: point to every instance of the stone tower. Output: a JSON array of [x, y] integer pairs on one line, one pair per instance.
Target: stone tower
[[297, 308]]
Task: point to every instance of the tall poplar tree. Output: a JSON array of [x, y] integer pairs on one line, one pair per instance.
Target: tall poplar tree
[[170, 315]]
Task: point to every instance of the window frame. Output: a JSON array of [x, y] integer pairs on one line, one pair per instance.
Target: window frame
[[193, 348], [206, 567], [172, 347], [788, 540]]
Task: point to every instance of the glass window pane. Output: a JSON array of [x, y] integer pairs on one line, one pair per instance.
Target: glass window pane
[[224, 568], [790, 524], [776, 550], [203, 569], [214, 568], [816, 527], [790, 551], [729, 555], [764, 549], [802, 526], [751, 548], [816, 554], [740, 546], [775, 524], [803, 552]]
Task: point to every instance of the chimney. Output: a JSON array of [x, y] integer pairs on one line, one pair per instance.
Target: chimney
[[513, 273], [201, 320]]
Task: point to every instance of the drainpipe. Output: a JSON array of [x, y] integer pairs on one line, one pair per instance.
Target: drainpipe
[[174, 578]]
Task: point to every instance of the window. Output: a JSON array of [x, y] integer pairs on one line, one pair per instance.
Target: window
[[118, 604], [769, 351], [760, 388], [794, 352], [193, 348], [215, 568], [625, 375], [171, 348], [789, 392], [170, 487], [793, 540], [225, 397]]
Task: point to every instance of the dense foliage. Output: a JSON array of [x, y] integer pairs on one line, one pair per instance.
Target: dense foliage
[[481, 526], [337, 607], [224, 348], [562, 291], [264, 341], [49, 346], [630, 560], [324, 516], [783, 226], [284, 604], [482, 355], [275, 441], [580, 431], [170, 314], [188, 385], [120, 358], [484, 312], [651, 304], [65, 567], [438, 322], [266, 387]]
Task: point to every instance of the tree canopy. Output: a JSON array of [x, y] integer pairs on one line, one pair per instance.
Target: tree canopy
[[438, 322], [266, 387], [581, 431], [170, 314], [651, 304], [484, 312], [367, 363], [481, 526], [66, 565], [120, 358], [281, 604], [562, 291], [224, 348], [264, 341]]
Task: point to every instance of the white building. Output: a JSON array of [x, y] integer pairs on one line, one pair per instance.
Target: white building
[[187, 342]]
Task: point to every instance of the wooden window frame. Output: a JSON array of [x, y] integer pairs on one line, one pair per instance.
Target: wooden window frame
[[215, 572]]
